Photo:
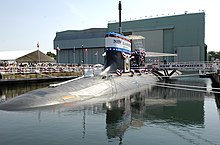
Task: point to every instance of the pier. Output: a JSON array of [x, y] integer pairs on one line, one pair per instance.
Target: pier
[[208, 69], [12, 79], [13, 74], [58, 72]]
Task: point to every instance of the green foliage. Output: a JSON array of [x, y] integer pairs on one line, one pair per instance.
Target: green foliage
[[213, 55], [51, 55]]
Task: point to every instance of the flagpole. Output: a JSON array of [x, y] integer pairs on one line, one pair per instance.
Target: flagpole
[[86, 57], [39, 55], [82, 55], [97, 56], [57, 50], [38, 52], [74, 49], [57, 56]]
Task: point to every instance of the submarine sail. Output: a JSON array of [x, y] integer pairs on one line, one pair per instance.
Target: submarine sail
[[118, 51]]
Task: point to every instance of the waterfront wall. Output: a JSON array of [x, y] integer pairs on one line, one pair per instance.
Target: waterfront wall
[[9, 76]]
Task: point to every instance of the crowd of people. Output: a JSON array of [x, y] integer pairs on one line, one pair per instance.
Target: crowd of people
[[38, 67]]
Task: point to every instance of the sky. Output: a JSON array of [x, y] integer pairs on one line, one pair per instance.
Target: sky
[[24, 23]]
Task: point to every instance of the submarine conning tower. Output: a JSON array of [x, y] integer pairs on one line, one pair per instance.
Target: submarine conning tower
[[118, 51]]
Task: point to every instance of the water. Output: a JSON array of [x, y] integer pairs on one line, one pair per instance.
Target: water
[[155, 116]]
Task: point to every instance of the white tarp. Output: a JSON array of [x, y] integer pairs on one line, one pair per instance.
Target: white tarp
[[135, 37]]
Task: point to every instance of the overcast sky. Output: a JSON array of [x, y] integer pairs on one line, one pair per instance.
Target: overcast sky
[[24, 23]]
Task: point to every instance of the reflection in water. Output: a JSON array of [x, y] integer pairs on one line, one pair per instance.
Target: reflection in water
[[8, 92], [148, 107], [175, 111], [188, 108], [118, 118], [217, 100], [84, 123], [217, 97]]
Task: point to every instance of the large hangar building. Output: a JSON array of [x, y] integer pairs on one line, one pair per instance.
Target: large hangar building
[[80, 46], [179, 34]]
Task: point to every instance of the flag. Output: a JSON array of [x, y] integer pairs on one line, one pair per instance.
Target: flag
[[38, 45], [85, 50], [119, 72], [96, 53], [57, 48]]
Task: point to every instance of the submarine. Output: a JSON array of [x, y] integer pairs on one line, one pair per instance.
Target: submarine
[[116, 79]]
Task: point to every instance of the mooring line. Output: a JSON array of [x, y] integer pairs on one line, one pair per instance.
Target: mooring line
[[187, 89], [187, 86], [182, 88], [184, 75]]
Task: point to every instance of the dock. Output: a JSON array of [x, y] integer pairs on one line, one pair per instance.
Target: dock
[[18, 75], [20, 78], [14, 75]]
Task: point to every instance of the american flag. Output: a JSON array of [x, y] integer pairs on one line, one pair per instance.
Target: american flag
[[38, 45], [96, 53], [57, 48]]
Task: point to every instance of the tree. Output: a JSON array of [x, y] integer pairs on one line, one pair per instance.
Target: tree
[[213, 55], [51, 55]]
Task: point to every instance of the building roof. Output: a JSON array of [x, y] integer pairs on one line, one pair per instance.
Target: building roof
[[35, 57], [22, 56], [81, 34]]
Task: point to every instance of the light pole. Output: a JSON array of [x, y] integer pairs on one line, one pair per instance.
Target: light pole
[[97, 57], [82, 55], [74, 52]]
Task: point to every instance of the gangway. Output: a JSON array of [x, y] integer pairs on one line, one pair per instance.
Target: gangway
[[166, 69], [190, 66]]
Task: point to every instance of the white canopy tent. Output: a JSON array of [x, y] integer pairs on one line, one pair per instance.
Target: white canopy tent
[[138, 41], [13, 55]]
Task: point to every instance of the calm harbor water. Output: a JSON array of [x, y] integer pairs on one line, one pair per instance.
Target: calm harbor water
[[156, 115]]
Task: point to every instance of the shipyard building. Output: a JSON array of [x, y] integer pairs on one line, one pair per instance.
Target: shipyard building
[[179, 34]]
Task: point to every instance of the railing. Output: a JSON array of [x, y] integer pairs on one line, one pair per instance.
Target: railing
[[86, 70], [25, 72], [189, 66], [185, 66], [38, 69]]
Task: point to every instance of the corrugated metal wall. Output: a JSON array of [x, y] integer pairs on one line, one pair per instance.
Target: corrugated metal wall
[[78, 47], [180, 31], [181, 34]]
